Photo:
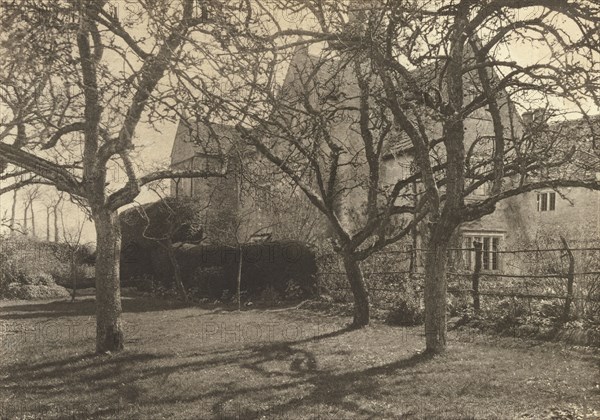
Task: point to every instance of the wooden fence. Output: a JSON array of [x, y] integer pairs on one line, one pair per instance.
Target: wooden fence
[[390, 275]]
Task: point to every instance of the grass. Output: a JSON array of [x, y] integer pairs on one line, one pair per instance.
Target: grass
[[191, 362]]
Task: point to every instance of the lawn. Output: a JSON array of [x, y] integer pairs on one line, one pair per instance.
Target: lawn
[[195, 363]]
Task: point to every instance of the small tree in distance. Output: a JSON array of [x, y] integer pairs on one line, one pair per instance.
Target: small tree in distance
[[173, 219]]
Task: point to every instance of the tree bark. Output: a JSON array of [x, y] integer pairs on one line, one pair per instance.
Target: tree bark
[[435, 291], [109, 332], [359, 291]]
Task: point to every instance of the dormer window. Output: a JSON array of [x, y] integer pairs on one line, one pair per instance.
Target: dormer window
[[546, 201]]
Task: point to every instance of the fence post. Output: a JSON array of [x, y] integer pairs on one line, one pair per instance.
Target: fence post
[[570, 281], [476, 273]]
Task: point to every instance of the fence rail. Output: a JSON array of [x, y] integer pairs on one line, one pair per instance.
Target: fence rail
[[572, 277]]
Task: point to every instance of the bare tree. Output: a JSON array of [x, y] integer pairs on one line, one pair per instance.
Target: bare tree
[[464, 42], [9, 220], [272, 205], [98, 76], [331, 143], [340, 171], [240, 231], [31, 195], [57, 212], [54, 204], [172, 220], [48, 213], [436, 82]]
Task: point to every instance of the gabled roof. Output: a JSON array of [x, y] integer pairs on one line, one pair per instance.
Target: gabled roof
[[340, 76], [199, 139]]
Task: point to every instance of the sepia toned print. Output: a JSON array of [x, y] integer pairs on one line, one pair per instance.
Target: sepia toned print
[[300, 209]]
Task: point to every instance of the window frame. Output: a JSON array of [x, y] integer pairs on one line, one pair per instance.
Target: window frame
[[546, 201], [492, 243]]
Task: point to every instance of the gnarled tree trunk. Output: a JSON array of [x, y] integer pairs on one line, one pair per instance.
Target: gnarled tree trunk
[[109, 333], [359, 291], [435, 291]]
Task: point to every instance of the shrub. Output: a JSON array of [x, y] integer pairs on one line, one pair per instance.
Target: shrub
[[135, 228], [458, 303], [551, 310], [406, 312], [32, 292], [42, 279], [208, 269], [508, 313], [136, 263], [27, 261], [293, 291]]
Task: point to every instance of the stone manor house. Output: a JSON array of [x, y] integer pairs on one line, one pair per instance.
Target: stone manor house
[[517, 221]]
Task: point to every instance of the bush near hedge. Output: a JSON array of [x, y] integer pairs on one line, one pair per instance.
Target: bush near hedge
[[18, 253], [34, 292], [175, 216], [29, 269]]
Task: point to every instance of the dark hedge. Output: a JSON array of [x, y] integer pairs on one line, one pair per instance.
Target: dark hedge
[[212, 270]]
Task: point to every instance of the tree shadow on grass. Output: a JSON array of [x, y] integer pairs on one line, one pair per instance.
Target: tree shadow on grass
[[284, 378], [68, 366], [329, 390], [87, 307], [330, 393]]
